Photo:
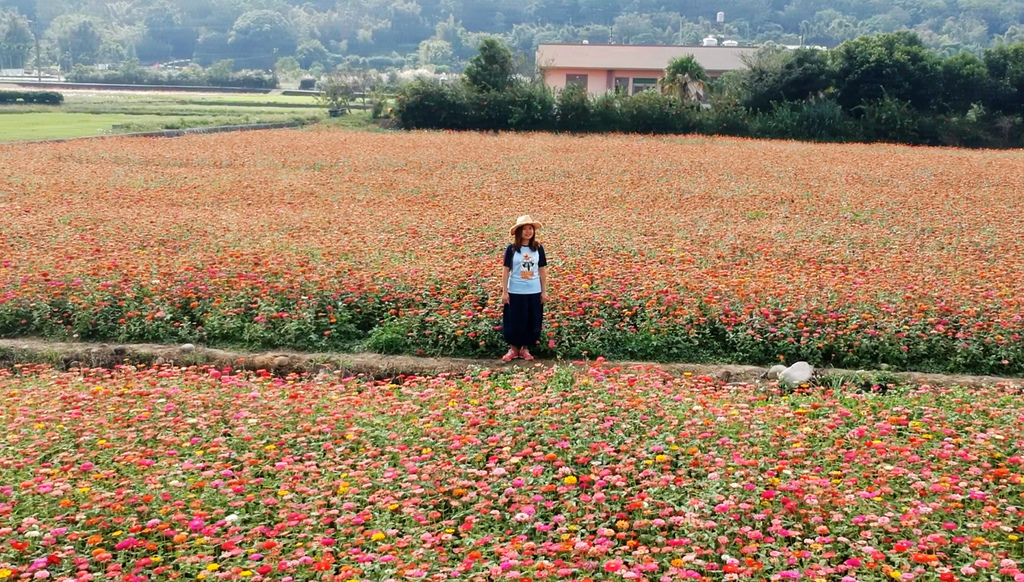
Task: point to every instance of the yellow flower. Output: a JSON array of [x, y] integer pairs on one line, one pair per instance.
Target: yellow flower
[[378, 536], [5, 573], [570, 480], [895, 574], [212, 567], [245, 573]]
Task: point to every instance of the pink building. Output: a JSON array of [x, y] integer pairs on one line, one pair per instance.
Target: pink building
[[627, 68]]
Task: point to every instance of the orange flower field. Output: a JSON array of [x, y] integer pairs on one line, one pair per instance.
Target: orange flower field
[[665, 248]]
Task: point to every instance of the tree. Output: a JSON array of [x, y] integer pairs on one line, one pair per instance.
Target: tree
[[807, 74], [312, 51], [685, 78], [76, 39], [16, 40], [166, 38], [965, 81], [599, 11], [337, 91], [896, 66], [434, 52], [633, 28], [259, 37], [492, 67], [759, 85], [405, 24], [1005, 65], [210, 48], [687, 66]]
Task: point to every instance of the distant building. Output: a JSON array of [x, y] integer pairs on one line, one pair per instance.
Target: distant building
[[629, 69]]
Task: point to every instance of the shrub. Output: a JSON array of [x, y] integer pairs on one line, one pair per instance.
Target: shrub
[[39, 97], [533, 107], [606, 113], [432, 104], [391, 338], [490, 110], [573, 110], [218, 74], [889, 119], [724, 118], [814, 120], [652, 112]]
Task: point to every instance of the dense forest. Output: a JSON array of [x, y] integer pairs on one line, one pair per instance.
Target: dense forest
[[321, 35]]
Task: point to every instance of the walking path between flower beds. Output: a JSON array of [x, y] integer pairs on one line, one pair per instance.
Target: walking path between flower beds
[[79, 354]]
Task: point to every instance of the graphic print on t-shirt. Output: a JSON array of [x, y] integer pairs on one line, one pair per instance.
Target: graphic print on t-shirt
[[526, 272]]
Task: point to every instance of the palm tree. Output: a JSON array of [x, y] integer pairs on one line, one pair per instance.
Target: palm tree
[[685, 78]]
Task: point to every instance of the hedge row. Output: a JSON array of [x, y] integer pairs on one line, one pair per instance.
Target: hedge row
[[190, 76], [358, 321], [437, 105], [46, 97]]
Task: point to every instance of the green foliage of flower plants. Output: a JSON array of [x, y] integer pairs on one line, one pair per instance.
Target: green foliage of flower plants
[[578, 472]]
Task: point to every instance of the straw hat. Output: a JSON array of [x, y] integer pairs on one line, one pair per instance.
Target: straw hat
[[523, 221]]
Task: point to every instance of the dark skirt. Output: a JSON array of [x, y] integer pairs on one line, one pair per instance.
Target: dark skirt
[[522, 319]]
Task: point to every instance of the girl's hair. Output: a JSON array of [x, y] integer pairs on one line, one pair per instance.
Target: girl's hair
[[519, 239]]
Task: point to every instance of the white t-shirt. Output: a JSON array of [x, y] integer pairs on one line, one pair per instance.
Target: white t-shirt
[[524, 264]]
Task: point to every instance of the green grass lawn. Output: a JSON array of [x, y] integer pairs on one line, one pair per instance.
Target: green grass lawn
[[95, 113]]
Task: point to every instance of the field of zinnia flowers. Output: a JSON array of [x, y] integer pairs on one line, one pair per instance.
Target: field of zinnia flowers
[[579, 473], [662, 248]]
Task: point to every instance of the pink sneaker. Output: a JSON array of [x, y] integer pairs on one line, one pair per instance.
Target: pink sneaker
[[525, 354], [511, 355]]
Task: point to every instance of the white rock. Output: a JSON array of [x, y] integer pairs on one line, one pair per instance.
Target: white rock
[[798, 373]]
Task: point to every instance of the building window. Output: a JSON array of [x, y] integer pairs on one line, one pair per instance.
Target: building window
[[576, 81], [644, 84], [621, 85]]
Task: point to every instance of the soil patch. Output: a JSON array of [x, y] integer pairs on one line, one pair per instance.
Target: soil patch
[[69, 355]]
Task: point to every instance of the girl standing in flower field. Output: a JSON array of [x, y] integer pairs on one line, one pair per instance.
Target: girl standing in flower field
[[524, 285]]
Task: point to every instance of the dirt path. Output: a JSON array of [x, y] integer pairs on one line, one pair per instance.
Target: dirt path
[[66, 355]]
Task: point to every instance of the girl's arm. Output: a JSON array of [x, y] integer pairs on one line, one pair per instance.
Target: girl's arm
[[543, 284], [505, 272]]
